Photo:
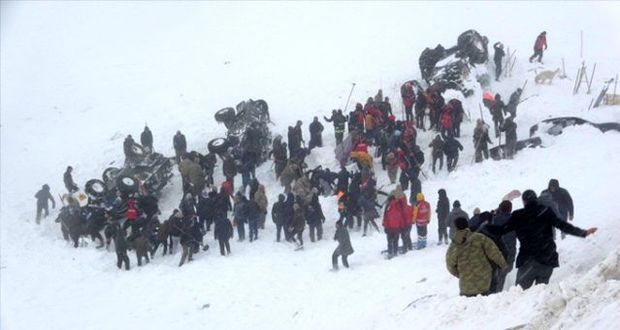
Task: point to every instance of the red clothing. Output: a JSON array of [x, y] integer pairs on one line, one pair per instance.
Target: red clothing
[[541, 42], [132, 212], [408, 97], [446, 117], [361, 147], [422, 213], [396, 214], [228, 187]]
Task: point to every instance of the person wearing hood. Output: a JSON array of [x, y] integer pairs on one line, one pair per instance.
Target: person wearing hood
[[180, 145], [298, 223], [146, 139], [451, 148], [470, 258], [443, 209], [68, 180], [437, 153], [538, 255], [339, 121], [509, 240], [562, 200], [314, 217], [344, 247], [278, 215], [510, 127], [481, 141], [539, 46], [240, 214], [397, 213], [261, 199], [497, 58], [421, 217], [513, 102], [316, 130], [42, 197], [455, 213]]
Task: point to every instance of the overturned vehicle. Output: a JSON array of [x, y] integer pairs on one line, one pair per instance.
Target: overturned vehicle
[[447, 68], [555, 126], [248, 131], [146, 177]]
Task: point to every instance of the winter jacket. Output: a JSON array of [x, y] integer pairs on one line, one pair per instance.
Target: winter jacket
[[534, 227], [146, 138], [499, 53], [229, 167], [179, 142], [314, 212], [261, 199], [437, 145], [468, 258], [510, 127], [509, 239], [195, 174], [481, 137], [344, 242], [541, 42], [240, 210], [278, 212], [453, 215], [303, 189], [397, 214], [223, 229], [452, 146], [421, 211], [299, 222], [363, 158], [443, 209], [564, 202], [43, 196]]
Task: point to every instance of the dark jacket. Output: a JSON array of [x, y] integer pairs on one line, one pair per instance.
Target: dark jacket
[[499, 53], [68, 180], [452, 146], [443, 209], [179, 142], [509, 239], [223, 229], [534, 227], [564, 202], [278, 212], [314, 212], [43, 196], [510, 127], [344, 242], [146, 138]]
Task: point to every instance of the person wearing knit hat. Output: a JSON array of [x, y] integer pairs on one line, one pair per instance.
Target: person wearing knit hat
[[421, 218], [470, 258], [453, 215], [562, 200]]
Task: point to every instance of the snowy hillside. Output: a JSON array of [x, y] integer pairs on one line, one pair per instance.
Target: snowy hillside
[[76, 78]]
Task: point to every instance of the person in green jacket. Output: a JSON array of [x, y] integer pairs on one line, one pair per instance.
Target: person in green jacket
[[469, 259]]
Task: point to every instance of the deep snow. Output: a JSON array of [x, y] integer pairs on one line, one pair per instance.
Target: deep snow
[[77, 77]]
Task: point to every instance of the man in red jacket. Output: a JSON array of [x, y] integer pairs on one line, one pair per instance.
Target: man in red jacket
[[539, 46]]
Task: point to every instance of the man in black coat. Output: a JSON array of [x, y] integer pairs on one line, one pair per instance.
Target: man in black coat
[[513, 102], [42, 197], [562, 200], [339, 121], [443, 209], [180, 145], [510, 127], [451, 148], [497, 58], [68, 180], [537, 251], [497, 109], [146, 139], [278, 214], [316, 128], [294, 143]]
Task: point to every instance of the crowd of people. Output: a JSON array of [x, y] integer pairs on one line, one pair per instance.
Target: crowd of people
[[482, 249]]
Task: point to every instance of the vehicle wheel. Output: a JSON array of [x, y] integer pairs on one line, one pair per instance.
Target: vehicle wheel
[[218, 145], [225, 115], [126, 184], [110, 174], [95, 188]]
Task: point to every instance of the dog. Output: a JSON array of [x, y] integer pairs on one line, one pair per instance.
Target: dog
[[546, 75]]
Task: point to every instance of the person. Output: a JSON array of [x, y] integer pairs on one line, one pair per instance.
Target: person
[[539, 46], [533, 225], [339, 121], [391, 163], [298, 223], [510, 127], [437, 153], [68, 180], [443, 209], [451, 148], [421, 104], [470, 257], [314, 217], [421, 217], [261, 198], [458, 114], [475, 221], [299, 134], [509, 240], [121, 245], [240, 214], [513, 102], [497, 109], [180, 145], [344, 247], [367, 202], [481, 141], [562, 200], [394, 217], [456, 212], [253, 217], [229, 168], [129, 148], [316, 129], [497, 58], [408, 96], [146, 139], [223, 231], [42, 197], [278, 214], [280, 158]]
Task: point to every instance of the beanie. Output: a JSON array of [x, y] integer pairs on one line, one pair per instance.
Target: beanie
[[461, 223], [456, 204]]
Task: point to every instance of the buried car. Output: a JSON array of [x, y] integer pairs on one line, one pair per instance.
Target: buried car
[[447, 68], [248, 130], [148, 176]]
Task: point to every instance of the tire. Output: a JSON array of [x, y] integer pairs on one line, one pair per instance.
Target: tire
[[218, 145], [95, 188], [126, 184], [225, 115], [110, 174]]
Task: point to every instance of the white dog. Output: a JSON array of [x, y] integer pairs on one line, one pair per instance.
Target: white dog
[[546, 75]]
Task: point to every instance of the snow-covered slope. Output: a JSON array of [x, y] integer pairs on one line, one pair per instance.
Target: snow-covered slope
[[77, 77]]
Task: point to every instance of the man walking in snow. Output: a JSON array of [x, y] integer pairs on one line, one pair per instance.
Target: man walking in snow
[[537, 251], [539, 46], [443, 209], [562, 199], [497, 58]]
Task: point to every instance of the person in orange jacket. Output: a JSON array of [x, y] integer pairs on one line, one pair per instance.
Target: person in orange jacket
[[421, 217]]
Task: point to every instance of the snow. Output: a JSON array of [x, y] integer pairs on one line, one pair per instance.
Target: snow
[[77, 77]]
